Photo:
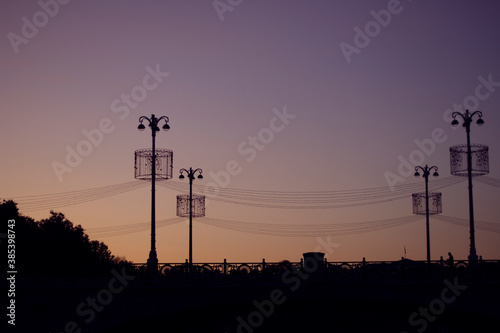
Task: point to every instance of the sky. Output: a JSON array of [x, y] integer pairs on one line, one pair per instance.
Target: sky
[[281, 95]]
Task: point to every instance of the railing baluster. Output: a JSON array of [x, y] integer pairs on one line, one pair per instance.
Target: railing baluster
[[404, 269]]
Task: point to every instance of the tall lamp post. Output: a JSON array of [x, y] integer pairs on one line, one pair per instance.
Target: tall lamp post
[[191, 173], [152, 263], [467, 118], [426, 172]]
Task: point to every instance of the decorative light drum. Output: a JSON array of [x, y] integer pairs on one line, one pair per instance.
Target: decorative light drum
[[163, 164], [479, 160], [435, 204], [198, 205]]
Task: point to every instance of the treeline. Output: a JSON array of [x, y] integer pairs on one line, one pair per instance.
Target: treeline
[[55, 247]]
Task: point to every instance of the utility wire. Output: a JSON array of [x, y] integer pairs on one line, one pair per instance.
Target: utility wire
[[481, 225], [308, 230], [491, 181], [57, 200], [253, 198], [316, 199], [290, 229], [119, 230]]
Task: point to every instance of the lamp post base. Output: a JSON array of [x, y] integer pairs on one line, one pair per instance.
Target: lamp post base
[[473, 259], [152, 263]]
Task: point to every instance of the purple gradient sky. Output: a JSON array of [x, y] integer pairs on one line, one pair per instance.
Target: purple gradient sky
[[352, 121]]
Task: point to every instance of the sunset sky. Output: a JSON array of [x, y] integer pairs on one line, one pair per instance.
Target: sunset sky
[[292, 95]]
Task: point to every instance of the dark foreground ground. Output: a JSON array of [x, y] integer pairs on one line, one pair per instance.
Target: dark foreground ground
[[293, 303]]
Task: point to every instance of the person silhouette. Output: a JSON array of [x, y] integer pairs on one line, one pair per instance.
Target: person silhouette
[[450, 261]]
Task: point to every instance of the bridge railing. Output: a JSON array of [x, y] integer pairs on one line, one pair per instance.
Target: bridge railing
[[335, 270], [223, 269]]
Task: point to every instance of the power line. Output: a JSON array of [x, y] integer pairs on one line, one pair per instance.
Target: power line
[[491, 181], [119, 230], [481, 225], [290, 229], [270, 229], [317, 199], [63, 199], [308, 230], [253, 198]]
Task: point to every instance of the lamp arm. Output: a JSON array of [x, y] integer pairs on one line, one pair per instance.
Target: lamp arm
[[479, 113], [456, 113], [141, 119]]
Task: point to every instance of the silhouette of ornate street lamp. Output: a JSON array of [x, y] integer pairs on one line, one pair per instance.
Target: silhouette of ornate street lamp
[[426, 172], [467, 119], [155, 167], [191, 173]]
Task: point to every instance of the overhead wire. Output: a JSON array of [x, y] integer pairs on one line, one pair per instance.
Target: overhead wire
[[270, 229], [308, 230], [290, 229], [481, 225], [316, 199], [266, 199], [491, 181], [119, 230], [69, 198], [253, 198]]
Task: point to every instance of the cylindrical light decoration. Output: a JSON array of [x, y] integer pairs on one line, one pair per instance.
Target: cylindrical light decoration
[[479, 160], [198, 205], [435, 204], [143, 164]]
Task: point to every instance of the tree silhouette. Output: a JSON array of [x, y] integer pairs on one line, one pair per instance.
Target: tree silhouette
[[55, 247]]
